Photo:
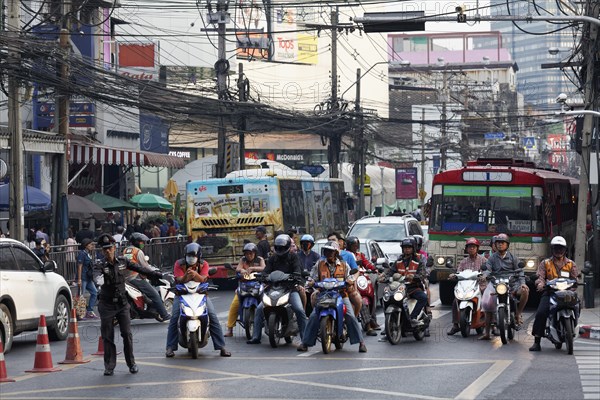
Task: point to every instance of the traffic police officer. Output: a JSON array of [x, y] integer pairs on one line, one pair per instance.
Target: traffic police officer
[[110, 273]]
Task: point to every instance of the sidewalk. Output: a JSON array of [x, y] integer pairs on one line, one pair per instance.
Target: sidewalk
[[589, 320]]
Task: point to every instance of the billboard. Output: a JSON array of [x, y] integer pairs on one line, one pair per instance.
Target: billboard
[[406, 183], [154, 133], [138, 61]]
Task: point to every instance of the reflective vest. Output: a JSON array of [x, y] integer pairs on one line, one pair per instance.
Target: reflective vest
[[339, 273], [131, 253], [412, 268], [552, 272]]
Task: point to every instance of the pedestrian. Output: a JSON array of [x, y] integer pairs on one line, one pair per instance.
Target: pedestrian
[[119, 235], [85, 276], [84, 233], [40, 249], [113, 303], [264, 248]]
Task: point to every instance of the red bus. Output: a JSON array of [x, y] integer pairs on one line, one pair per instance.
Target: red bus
[[491, 196]]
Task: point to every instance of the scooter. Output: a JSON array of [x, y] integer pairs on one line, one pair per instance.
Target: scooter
[[564, 309], [249, 291], [331, 309], [366, 289], [506, 304], [398, 307], [194, 321], [280, 318], [141, 306], [468, 296]]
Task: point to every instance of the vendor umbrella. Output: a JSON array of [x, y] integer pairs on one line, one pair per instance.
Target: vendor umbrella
[[109, 203], [171, 190], [82, 208], [151, 202], [33, 199]]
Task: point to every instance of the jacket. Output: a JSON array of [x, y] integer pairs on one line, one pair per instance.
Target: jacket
[[114, 274]]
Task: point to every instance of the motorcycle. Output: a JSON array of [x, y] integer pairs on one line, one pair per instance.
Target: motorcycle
[[398, 307], [279, 316], [562, 320], [141, 306], [506, 304], [249, 291], [194, 321], [331, 309], [366, 289], [468, 296]]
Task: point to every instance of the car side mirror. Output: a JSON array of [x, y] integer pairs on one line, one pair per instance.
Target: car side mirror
[[212, 271], [50, 266], [380, 261]]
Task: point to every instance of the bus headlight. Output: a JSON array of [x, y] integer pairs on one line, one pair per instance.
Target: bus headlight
[[530, 264], [440, 261]]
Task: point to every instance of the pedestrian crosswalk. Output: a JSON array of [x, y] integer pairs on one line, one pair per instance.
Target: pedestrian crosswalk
[[587, 356]]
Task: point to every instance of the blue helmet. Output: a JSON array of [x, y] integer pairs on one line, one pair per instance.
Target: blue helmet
[[307, 238], [193, 248]]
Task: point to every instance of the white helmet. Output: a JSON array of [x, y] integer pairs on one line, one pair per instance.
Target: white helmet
[[558, 241]]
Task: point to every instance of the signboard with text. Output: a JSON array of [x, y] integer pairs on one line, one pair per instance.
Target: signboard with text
[[406, 183]]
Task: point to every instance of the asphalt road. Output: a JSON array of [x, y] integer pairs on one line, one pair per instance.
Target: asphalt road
[[439, 367]]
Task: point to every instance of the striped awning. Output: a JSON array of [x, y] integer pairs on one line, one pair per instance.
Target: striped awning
[[103, 155]]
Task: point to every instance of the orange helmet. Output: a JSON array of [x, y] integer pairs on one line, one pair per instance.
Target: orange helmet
[[473, 241]]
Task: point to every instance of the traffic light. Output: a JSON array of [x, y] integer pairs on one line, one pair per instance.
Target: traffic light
[[461, 17]]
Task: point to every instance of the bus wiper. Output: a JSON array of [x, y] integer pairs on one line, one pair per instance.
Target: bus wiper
[[465, 228]]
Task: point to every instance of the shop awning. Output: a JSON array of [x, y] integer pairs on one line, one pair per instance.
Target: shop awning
[[103, 155]]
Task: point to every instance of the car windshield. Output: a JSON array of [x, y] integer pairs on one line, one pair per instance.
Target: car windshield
[[379, 232]]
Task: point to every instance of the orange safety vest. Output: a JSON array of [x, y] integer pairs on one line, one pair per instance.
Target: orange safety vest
[[552, 272], [131, 253], [412, 268], [339, 273]]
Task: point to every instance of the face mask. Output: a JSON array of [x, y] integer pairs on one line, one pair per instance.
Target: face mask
[[141, 246], [191, 260], [305, 246]]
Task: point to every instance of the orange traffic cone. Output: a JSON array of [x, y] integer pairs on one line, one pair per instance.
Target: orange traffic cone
[[74, 353], [100, 351], [43, 356], [3, 376]]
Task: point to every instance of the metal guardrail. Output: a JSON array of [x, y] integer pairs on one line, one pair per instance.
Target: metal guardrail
[[162, 252]]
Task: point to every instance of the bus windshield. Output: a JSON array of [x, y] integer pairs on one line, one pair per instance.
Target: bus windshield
[[465, 208]]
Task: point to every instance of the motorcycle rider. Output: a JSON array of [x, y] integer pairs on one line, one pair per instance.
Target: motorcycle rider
[[473, 261], [549, 269], [308, 257], [353, 245], [413, 269], [112, 304], [287, 262], [332, 267], [135, 254], [501, 261], [250, 262], [422, 254], [347, 256], [193, 268]]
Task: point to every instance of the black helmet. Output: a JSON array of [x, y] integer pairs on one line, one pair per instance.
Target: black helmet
[[409, 242], [106, 241], [350, 240], [137, 238], [418, 242], [282, 244], [193, 248], [250, 247]]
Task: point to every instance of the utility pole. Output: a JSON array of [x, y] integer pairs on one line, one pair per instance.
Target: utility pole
[[243, 97], [422, 191], [17, 212], [444, 144], [335, 140], [360, 149], [222, 68], [593, 11], [62, 116]]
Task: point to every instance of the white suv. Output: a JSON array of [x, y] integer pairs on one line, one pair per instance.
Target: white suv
[[388, 232], [28, 289]]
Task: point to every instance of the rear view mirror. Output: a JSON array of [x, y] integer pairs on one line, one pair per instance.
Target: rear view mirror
[[212, 271], [50, 266], [353, 271], [305, 274], [228, 266], [380, 261]]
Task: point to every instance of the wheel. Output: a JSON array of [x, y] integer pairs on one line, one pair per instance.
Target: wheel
[[288, 339], [419, 334], [249, 322], [392, 327], [60, 329], [568, 330], [511, 326], [193, 344], [365, 317], [169, 306], [446, 289], [558, 346], [6, 328], [465, 325], [326, 333], [274, 330], [502, 325]]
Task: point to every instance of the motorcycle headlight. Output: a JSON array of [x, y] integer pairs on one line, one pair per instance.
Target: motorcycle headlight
[[386, 296], [362, 282], [188, 311], [283, 299], [501, 289], [398, 296], [267, 301], [329, 285], [202, 310]]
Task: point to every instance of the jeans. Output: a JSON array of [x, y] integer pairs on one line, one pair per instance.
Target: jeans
[[296, 304], [216, 333], [90, 286], [147, 289], [312, 328], [421, 298]]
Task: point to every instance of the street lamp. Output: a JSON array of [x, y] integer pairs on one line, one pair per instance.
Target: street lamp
[[404, 63]]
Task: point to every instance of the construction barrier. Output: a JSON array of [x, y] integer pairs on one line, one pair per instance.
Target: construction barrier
[[74, 354], [43, 356]]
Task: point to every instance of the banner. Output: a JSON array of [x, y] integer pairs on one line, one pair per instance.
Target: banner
[[406, 183]]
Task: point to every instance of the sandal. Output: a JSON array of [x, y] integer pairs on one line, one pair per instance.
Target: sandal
[[484, 337], [225, 353], [519, 319], [229, 333]]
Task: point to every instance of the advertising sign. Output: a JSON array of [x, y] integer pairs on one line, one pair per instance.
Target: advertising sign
[[154, 133], [406, 183], [138, 61]]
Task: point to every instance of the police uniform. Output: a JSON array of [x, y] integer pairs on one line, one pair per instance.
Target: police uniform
[[113, 305]]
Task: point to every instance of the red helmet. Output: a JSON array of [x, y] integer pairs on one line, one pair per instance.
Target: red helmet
[[473, 241]]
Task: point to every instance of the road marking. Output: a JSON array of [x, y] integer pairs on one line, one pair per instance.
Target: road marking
[[479, 385], [588, 363], [308, 353]]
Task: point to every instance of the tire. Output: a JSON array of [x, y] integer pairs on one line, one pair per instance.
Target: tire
[[193, 344], [288, 339], [502, 325], [392, 327], [446, 289], [169, 305], [465, 325], [248, 317], [365, 317], [274, 330], [6, 328], [568, 330], [511, 327], [558, 346], [326, 333], [60, 329]]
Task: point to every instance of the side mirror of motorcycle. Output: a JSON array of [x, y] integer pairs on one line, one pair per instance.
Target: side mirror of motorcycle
[[228, 266], [587, 268], [353, 271], [305, 274], [212, 271]]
